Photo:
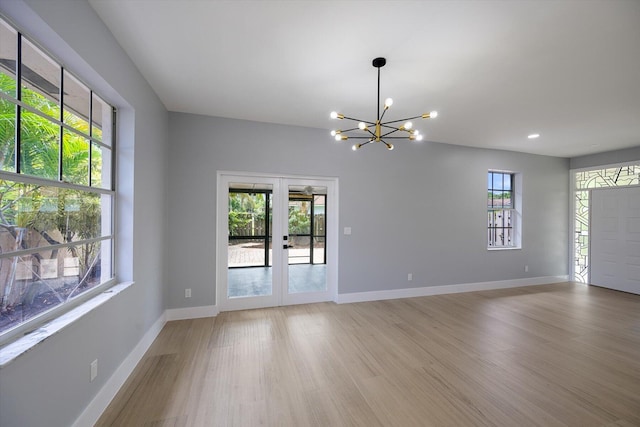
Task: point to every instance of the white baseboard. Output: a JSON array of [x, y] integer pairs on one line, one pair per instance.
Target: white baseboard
[[446, 289], [92, 412], [192, 312]]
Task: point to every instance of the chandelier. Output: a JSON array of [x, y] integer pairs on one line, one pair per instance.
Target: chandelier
[[380, 131]]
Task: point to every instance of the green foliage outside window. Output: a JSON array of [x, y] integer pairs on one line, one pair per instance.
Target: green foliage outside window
[[299, 221], [247, 214]]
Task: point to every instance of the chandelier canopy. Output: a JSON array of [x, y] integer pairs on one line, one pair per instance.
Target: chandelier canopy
[[379, 131]]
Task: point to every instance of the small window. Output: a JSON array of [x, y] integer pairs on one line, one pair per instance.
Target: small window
[[501, 210]]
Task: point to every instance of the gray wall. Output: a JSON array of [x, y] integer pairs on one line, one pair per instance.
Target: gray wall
[[608, 158], [49, 386], [419, 209]]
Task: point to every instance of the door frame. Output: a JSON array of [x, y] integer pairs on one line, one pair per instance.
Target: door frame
[[279, 273]]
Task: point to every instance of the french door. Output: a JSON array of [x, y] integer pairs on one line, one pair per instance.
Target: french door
[[277, 240]]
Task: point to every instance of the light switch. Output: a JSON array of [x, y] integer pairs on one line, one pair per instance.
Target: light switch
[[347, 231]]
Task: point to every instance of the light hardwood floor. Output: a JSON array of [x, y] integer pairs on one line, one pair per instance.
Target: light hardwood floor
[[551, 355]]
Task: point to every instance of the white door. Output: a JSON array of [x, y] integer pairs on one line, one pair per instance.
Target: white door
[[615, 239], [277, 240]]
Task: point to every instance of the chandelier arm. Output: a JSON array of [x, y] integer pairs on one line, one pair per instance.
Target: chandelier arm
[[357, 120], [383, 113], [401, 120], [396, 130], [360, 137], [389, 133]]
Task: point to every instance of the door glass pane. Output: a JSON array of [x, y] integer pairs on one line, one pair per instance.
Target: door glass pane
[[307, 235], [319, 229], [299, 250], [249, 240]]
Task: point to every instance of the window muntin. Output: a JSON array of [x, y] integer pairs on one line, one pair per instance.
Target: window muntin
[[57, 203], [501, 215], [7, 130]]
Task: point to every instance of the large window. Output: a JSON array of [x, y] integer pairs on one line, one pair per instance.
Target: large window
[[501, 210], [56, 186]]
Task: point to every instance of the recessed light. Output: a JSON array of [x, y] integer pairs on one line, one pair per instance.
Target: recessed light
[[534, 136]]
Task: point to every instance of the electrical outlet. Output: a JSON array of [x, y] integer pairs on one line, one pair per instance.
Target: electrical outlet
[[187, 293], [410, 277], [94, 370]]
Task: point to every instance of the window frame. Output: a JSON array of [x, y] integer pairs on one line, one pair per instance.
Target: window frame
[[105, 186], [515, 210]]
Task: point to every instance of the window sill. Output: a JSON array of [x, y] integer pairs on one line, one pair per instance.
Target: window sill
[[505, 248], [17, 348]]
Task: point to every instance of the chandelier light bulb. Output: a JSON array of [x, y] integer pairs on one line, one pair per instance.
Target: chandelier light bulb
[[334, 133], [338, 137], [355, 147], [433, 114], [408, 125], [418, 137], [389, 147], [388, 102], [362, 125], [334, 115]]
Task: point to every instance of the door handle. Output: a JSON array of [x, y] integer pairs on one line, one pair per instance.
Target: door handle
[[285, 246]]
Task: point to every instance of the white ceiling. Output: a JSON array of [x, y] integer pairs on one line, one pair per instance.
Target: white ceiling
[[495, 71]]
